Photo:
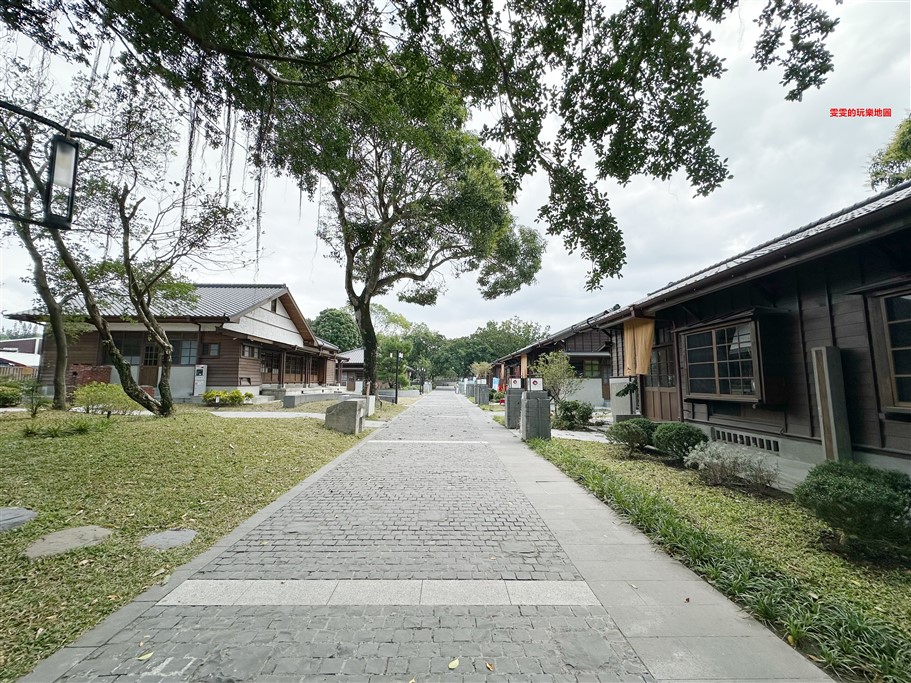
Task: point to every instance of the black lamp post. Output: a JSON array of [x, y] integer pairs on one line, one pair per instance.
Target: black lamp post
[[60, 186], [398, 355]]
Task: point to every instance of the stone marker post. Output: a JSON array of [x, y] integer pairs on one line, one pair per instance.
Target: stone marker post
[[534, 418], [347, 416], [513, 407], [483, 393]]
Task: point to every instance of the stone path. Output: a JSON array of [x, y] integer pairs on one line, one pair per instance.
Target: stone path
[[266, 414], [436, 538]]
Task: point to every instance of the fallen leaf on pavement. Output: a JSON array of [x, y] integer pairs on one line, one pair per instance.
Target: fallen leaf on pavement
[[454, 663], [489, 666], [686, 600], [144, 657]]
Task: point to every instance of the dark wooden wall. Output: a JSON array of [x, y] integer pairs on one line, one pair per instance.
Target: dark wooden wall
[[821, 306]]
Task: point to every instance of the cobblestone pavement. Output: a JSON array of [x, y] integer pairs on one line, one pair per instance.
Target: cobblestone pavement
[[439, 537], [367, 643]]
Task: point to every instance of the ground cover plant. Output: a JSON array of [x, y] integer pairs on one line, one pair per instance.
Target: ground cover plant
[[850, 617], [140, 475]]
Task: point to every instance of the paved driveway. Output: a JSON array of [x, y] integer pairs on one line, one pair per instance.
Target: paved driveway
[[440, 537]]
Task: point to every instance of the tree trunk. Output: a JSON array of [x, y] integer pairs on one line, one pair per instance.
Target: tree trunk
[[368, 335], [55, 314], [132, 389], [164, 386]]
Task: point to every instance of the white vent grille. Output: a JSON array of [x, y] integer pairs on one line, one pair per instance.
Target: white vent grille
[[742, 439]]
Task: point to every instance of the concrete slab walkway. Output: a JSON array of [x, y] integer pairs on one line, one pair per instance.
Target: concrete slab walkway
[[440, 537]]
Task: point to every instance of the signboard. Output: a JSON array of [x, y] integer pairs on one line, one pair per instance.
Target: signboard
[[200, 378], [495, 382], [535, 384], [515, 382]]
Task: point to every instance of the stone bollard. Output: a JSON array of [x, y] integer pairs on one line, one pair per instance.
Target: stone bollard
[[483, 394], [347, 417], [513, 407], [534, 419]]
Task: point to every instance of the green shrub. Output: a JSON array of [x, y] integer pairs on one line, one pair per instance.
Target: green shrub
[[647, 425], [629, 435], [101, 398], [32, 397], [573, 415], [678, 439], [10, 396], [496, 396], [73, 427], [859, 500], [225, 398]]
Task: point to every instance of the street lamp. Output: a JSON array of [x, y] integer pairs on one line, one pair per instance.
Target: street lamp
[[60, 187], [398, 355]]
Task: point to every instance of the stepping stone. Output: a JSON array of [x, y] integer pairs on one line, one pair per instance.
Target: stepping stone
[[10, 518], [165, 540], [68, 539]]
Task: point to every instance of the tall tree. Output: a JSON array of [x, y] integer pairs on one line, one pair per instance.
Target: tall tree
[[627, 81], [411, 191], [337, 326], [891, 165]]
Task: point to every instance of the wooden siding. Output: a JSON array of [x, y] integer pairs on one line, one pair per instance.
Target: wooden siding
[[592, 341], [83, 351], [822, 303]]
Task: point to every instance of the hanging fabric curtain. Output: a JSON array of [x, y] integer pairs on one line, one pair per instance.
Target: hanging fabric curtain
[[638, 336]]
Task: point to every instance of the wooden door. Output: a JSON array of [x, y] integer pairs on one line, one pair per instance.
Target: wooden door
[[605, 380], [148, 370], [660, 400]]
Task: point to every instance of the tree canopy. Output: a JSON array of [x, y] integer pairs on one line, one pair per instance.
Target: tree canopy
[[891, 165], [337, 326], [627, 83]]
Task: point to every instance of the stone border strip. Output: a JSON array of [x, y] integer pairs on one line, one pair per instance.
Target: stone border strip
[[249, 592], [424, 441]]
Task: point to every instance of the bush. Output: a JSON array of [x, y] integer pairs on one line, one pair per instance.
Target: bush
[[68, 428], [496, 396], [678, 439], [573, 415], [719, 464], [225, 398], [10, 396], [101, 398], [630, 435], [32, 398], [647, 425], [859, 500]]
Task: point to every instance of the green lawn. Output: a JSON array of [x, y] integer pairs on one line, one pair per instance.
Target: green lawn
[[139, 476], [782, 535]]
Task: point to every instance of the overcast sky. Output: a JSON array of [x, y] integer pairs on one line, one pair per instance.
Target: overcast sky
[[792, 164]]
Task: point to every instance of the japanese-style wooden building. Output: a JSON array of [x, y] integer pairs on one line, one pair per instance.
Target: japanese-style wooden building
[[800, 347], [589, 351], [248, 337]]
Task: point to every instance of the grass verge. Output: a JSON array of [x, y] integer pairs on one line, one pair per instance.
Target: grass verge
[[850, 618], [138, 476]]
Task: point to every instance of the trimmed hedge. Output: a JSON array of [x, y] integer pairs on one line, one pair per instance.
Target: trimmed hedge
[[10, 396], [859, 500], [646, 425], [837, 636], [101, 398], [573, 415], [629, 435], [677, 439]]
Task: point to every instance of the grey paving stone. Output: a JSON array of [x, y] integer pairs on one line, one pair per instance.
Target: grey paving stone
[[172, 538], [206, 592], [464, 593], [10, 518], [377, 592], [723, 658], [67, 539], [267, 592], [686, 620], [550, 593]]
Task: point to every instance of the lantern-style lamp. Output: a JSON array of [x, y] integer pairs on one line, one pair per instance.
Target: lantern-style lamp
[[60, 189]]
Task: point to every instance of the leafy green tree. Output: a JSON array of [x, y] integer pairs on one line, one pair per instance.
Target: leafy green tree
[[426, 344], [624, 80], [389, 346], [19, 330], [892, 164], [337, 326], [412, 191], [479, 368], [560, 378]]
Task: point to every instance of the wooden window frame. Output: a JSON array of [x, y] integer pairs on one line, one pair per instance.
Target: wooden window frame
[[254, 351], [207, 349], [882, 351], [755, 359], [585, 366]]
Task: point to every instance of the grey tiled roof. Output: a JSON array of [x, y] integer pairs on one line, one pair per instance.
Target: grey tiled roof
[[227, 301], [354, 356]]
